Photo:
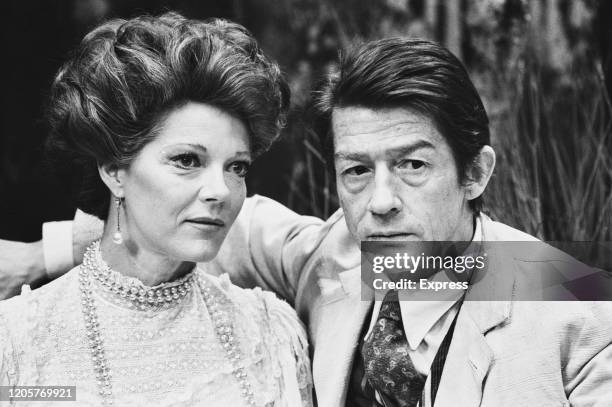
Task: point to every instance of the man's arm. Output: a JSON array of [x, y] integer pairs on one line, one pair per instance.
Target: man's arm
[[20, 263], [86, 228], [268, 246], [62, 246], [64, 243], [590, 365]]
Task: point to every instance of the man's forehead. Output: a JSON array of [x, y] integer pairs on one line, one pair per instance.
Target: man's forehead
[[383, 129], [375, 118]]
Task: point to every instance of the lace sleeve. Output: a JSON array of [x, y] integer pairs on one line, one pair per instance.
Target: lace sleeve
[[292, 352], [7, 362]]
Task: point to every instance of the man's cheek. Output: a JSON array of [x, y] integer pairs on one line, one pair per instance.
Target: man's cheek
[[353, 221]]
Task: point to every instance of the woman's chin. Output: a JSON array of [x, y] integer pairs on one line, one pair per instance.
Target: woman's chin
[[197, 253]]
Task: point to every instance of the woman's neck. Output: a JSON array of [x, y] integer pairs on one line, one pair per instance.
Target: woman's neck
[[149, 267]]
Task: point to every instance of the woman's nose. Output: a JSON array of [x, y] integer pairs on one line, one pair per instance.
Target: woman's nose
[[213, 186]]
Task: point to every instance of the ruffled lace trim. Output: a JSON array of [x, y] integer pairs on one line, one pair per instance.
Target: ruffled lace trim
[[20, 311], [127, 281], [7, 366], [291, 350], [285, 341]]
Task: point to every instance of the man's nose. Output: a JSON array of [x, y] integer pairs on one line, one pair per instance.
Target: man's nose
[[384, 200], [213, 185]]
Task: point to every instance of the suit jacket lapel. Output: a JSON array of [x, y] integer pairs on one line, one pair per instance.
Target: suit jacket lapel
[[469, 357], [337, 336], [487, 305]]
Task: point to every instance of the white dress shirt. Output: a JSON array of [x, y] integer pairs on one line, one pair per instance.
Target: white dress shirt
[[427, 322]]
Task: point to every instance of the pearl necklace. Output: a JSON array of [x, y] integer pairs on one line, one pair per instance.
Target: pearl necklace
[[132, 290], [225, 333], [94, 266]]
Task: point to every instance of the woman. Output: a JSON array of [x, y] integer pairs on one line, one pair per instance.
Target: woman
[[162, 117]]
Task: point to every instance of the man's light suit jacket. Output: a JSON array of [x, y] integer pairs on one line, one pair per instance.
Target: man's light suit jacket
[[503, 353]]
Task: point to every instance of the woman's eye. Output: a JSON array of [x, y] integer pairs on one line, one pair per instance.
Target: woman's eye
[[356, 170], [240, 168], [411, 164], [186, 160]]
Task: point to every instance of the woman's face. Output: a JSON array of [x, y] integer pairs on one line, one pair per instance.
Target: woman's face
[[185, 188]]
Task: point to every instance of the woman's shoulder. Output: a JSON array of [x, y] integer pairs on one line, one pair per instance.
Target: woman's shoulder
[[29, 324], [263, 308], [33, 306], [280, 331], [265, 302]]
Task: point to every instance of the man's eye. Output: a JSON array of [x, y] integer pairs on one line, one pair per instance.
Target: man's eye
[[187, 160], [411, 164], [357, 170], [240, 168]]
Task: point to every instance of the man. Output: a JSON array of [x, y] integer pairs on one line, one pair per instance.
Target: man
[[411, 154]]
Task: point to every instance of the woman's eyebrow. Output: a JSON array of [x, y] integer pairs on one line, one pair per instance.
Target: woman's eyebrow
[[195, 146]]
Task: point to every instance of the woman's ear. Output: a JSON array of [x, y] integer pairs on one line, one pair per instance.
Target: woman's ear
[[480, 174], [113, 177]]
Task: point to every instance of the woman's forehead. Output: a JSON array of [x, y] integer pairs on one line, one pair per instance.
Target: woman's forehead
[[201, 124]]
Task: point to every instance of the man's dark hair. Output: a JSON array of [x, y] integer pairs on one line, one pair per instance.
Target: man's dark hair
[[418, 75]]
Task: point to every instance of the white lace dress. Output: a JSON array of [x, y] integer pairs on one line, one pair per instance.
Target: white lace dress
[[166, 356]]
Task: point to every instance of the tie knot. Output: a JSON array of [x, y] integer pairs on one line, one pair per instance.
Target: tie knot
[[390, 308]]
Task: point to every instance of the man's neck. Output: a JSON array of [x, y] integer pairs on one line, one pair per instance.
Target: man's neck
[[466, 228]]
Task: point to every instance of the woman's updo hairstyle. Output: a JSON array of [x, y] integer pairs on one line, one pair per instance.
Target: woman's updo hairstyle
[[113, 94]]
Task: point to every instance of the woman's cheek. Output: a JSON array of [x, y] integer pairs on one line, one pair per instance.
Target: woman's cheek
[[238, 195]]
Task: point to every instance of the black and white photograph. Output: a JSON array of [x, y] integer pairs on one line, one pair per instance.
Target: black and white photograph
[[284, 203]]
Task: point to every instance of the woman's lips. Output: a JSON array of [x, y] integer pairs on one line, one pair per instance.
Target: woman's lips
[[206, 223]]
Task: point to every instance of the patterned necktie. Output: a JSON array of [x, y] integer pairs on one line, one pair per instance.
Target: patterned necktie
[[388, 367]]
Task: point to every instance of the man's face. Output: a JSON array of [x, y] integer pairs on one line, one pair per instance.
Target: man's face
[[397, 178]]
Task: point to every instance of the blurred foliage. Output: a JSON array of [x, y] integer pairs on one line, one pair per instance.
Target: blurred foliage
[[554, 172], [540, 67]]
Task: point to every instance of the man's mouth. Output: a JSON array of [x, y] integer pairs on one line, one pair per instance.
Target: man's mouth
[[387, 236]]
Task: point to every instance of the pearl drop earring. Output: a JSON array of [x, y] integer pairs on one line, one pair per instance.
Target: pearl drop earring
[[117, 237]]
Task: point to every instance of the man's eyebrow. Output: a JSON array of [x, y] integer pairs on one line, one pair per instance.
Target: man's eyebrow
[[419, 145], [402, 150], [350, 156]]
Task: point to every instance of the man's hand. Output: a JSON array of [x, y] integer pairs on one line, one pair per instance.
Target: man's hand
[[20, 263]]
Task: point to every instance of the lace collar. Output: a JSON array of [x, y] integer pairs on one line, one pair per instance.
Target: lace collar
[[131, 291]]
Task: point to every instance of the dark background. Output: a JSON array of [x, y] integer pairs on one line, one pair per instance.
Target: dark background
[[539, 65]]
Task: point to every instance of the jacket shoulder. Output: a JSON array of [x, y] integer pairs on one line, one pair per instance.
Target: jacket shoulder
[[497, 231]]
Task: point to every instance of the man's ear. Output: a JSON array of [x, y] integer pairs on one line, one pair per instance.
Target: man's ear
[[113, 177], [481, 172]]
